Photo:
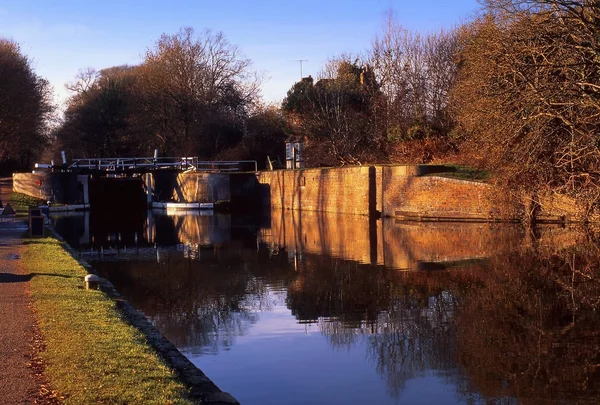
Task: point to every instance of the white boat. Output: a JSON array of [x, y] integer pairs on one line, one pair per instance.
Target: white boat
[[170, 206]]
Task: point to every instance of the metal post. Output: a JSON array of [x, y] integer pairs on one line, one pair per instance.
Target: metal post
[[149, 189]]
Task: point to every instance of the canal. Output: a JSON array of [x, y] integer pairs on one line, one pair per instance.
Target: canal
[[305, 308]]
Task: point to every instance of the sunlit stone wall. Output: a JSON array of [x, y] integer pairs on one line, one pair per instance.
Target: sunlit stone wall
[[411, 196], [395, 191], [191, 187], [348, 190], [56, 187], [428, 197]]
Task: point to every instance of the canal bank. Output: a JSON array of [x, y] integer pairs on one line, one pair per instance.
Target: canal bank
[[63, 343], [198, 387], [99, 349]]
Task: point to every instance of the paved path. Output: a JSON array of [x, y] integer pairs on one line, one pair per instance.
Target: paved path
[[17, 330], [21, 372]]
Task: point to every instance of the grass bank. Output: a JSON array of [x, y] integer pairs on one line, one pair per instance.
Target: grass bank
[[461, 172], [92, 355], [22, 202]]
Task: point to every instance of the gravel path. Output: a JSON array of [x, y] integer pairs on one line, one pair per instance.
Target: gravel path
[[22, 380], [18, 331]]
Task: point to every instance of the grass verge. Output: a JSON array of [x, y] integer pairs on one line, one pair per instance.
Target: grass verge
[[464, 173], [22, 202], [92, 355]]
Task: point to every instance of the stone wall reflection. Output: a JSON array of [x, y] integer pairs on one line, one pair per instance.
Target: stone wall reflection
[[351, 237], [213, 229], [401, 245]]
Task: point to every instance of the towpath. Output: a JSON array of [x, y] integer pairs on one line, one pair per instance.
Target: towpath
[[21, 373]]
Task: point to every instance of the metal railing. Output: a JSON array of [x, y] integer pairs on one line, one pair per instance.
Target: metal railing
[[145, 164]]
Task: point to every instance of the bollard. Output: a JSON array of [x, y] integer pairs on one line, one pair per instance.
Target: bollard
[[92, 282]]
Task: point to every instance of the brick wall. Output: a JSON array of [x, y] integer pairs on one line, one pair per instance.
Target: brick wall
[[432, 197], [191, 187], [61, 188], [342, 190], [395, 191]]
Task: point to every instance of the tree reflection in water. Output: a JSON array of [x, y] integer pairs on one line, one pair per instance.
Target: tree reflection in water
[[524, 325], [533, 330], [405, 320], [520, 327], [199, 304]]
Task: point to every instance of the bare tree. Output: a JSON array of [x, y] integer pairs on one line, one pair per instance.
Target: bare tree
[[193, 79], [415, 74], [84, 81], [529, 95]]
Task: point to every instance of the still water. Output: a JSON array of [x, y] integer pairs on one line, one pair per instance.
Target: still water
[[294, 308]]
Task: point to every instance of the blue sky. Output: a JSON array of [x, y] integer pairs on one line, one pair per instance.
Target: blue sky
[[63, 36]]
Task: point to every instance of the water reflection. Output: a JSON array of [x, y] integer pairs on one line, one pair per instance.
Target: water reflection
[[487, 313], [532, 327]]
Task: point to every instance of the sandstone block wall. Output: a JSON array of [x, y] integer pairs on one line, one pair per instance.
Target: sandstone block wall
[[431, 197], [394, 191], [204, 187], [349, 190], [191, 187], [61, 188]]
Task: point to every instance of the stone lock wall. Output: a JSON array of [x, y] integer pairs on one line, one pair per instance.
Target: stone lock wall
[[350, 190], [402, 191], [411, 192], [191, 187], [431, 197], [64, 188]]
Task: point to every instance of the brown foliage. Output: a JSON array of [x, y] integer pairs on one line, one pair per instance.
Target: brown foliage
[[527, 101]]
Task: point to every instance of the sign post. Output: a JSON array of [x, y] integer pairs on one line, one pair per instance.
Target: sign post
[[36, 222]]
